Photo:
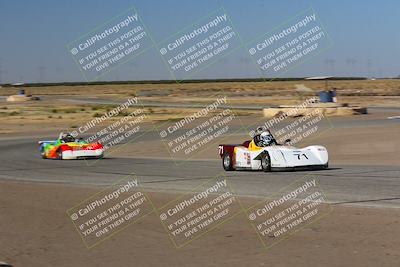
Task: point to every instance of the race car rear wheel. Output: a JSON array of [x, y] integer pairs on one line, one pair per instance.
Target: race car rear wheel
[[265, 162], [227, 162]]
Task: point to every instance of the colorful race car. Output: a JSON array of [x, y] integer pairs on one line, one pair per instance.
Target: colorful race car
[[68, 147], [264, 153]]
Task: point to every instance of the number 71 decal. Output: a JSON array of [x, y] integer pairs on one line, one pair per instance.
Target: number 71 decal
[[300, 155]]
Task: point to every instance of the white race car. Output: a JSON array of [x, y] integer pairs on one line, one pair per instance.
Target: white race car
[[264, 153]]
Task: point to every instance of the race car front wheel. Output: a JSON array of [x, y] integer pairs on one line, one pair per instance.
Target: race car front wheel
[[43, 153], [265, 162], [59, 154], [227, 162]]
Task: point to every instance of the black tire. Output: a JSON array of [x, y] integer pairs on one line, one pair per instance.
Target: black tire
[[42, 153], [265, 162], [59, 154], [227, 162]]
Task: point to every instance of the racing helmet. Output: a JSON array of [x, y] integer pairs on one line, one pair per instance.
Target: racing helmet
[[266, 138], [67, 138]]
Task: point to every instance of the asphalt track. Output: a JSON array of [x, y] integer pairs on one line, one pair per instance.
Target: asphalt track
[[343, 185]]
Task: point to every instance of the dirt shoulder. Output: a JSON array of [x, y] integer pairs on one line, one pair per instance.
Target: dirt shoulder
[[34, 233]]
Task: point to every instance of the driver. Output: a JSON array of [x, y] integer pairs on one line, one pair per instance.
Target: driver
[[67, 138], [264, 139]]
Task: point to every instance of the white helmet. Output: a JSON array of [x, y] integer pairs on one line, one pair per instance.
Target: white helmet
[[266, 138]]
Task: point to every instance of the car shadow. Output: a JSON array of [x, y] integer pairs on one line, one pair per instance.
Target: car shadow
[[292, 170]]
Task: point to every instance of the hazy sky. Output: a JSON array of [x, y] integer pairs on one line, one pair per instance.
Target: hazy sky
[[364, 37]]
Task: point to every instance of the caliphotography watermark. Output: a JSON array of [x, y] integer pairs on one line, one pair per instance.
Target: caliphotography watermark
[[110, 211], [199, 130], [289, 44], [199, 45], [110, 45], [298, 205], [195, 214], [118, 125]]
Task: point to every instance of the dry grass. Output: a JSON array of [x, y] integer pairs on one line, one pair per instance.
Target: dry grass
[[53, 113], [345, 87]]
